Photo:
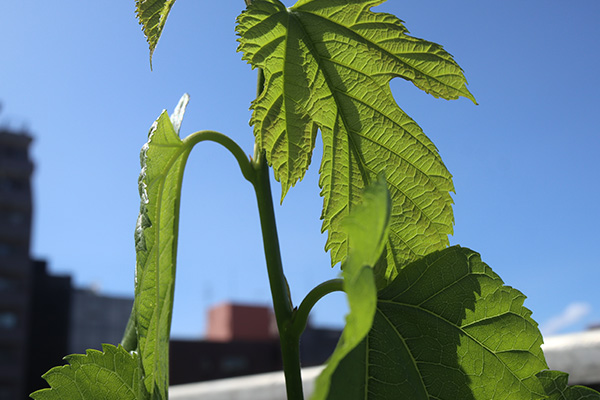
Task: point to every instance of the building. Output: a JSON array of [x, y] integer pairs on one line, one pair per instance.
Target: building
[[96, 319], [242, 340], [48, 333], [15, 265], [42, 317]]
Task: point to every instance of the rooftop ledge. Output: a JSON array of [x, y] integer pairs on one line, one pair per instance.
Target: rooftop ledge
[[577, 354]]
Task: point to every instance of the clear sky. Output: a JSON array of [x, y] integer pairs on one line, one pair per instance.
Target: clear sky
[[525, 160]]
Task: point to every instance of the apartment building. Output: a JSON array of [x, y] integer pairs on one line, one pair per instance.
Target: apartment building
[[15, 264]]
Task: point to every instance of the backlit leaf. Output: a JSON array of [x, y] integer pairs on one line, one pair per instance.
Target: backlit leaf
[[163, 159], [152, 15], [367, 229], [327, 66], [109, 374], [557, 388], [446, 328]]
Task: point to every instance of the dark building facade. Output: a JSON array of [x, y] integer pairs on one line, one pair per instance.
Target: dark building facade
[[242, 340], [42, 318], [15, 265], [48, 333]]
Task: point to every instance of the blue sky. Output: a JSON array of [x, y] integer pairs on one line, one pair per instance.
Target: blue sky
[[524, 161]]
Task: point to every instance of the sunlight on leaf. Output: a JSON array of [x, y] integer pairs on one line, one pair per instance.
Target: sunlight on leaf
[[446, 328], [152, 15], [327, 67], [163, 159], [109, 374], [556, 386], [367, 229]]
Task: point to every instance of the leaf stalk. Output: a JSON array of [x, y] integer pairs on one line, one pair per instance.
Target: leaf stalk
[[229, 144], [300, 318]]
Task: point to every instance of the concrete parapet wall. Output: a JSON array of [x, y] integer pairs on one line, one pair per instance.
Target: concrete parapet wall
[[577, 354], [270, 386]]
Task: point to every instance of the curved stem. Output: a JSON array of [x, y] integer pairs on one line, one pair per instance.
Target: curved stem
[[317, 293], [229, 144]]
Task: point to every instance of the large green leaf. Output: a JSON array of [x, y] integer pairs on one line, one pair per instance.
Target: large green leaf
[[556, 385], [152, 15], [367, 229], [327, 66], [446, 328], [163, 159], [111, 374]]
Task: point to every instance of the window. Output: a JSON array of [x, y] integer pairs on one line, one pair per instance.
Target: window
[[8, 320], [9, 285], [7, 392], [8, 355], [12, 185], [5, 250], [12, 217], [232, 364]]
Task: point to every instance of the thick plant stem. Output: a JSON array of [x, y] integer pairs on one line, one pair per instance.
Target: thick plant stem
[[282, 303]]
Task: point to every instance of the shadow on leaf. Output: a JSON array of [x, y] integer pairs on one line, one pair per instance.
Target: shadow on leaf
[[445, 328]]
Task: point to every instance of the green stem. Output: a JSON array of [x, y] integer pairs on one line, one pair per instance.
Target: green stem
[[282, 303], [289, 339], [316, 294], [226, 142]]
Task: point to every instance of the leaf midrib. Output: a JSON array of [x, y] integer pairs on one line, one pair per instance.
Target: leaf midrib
[[180, 149], [458, 328], [383, 50], [313, 51], [414, 361], [358, 155]]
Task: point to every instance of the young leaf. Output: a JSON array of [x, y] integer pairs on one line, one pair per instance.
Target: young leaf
[[367, 229], [111, 374], [446, 328], [327, 66], [556, 386], [163, 159], [152, 15]]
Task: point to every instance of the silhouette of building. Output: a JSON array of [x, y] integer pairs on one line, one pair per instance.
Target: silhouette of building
[[42, 317], [15, 264], [242, 340], [65, 320], [48, 333]]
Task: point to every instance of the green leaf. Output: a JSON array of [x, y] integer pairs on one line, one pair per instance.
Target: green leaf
[[367, 229], [111, 374], [327, 66], [163, 159], [446, 328], [556, 386], [152, 15]]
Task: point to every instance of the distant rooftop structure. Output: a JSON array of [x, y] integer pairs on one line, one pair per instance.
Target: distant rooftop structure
[[96, 319], [242, 339], [229, 321], [578, 354]]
